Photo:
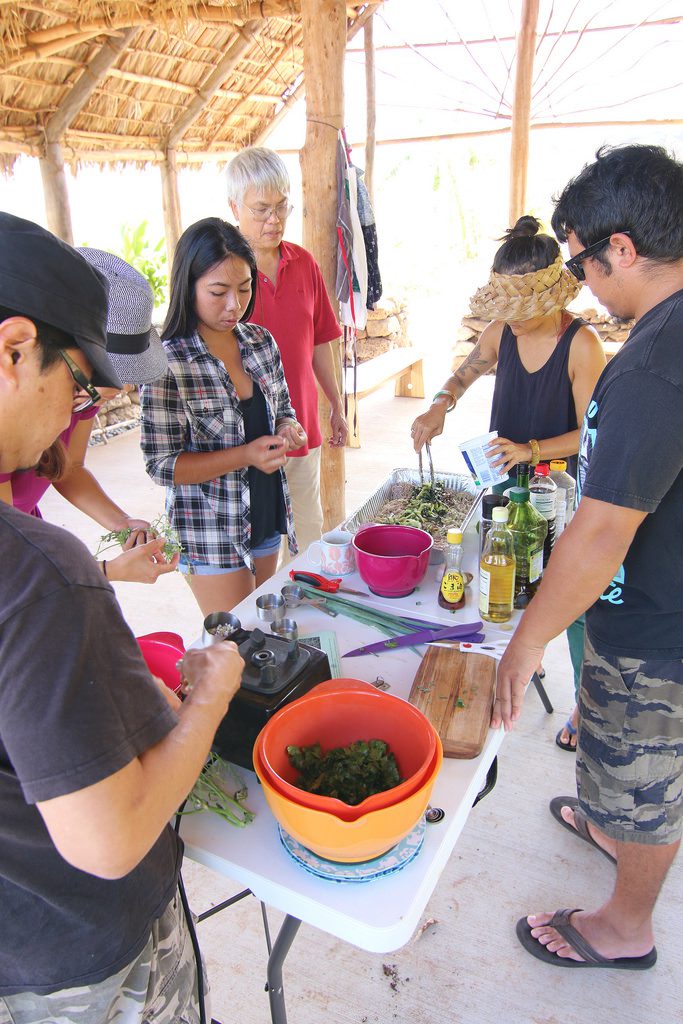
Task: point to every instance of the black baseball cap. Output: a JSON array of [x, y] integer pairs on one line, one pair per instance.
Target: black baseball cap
[[42, 277]]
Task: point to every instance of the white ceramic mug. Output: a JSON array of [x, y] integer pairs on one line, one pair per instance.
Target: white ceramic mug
[[334, 553]]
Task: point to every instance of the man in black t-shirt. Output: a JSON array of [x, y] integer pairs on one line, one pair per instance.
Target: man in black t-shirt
[[94, 756], [621, 561]]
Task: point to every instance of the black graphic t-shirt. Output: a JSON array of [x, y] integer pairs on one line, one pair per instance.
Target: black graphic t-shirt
[[631, 455]]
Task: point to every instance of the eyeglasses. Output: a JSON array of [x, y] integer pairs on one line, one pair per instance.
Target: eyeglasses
[[574, 264], [81, 403], [264, 213]]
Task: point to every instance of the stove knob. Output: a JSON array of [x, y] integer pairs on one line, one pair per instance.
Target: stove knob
[[268, 675], [257, 639], [293, 650]]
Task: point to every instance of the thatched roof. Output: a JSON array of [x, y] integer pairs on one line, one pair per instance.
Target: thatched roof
[[124, 80]]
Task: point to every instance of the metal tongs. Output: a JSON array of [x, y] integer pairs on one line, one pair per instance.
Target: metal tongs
[[431, 464]]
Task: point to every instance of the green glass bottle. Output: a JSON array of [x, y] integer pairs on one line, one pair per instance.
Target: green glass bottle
[[528, 529], [522, 474]]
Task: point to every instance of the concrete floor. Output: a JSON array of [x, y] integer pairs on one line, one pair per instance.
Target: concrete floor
[[464, 966]]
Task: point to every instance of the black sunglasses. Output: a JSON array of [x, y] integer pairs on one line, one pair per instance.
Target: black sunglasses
[[83, 383], [574, 264]]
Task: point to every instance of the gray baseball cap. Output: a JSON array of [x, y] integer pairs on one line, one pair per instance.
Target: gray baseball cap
[[43, 278], [133, 344]]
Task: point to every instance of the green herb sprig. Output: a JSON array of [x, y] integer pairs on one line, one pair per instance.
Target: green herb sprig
[[211, 793], [160, 527]]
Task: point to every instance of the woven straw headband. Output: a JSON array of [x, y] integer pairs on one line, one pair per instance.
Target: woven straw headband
[[524, 296]]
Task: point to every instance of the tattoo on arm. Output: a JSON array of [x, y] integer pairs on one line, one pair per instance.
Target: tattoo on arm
[[473, 366]]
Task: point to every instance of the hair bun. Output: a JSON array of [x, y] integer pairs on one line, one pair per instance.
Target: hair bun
[[526, 227]]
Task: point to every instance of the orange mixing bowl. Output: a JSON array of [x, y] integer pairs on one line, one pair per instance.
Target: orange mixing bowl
[[349, 841], [335, 714]]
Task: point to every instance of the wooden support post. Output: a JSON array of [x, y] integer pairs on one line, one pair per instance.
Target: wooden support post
[[370, 107], [52, 163], [324, 43], [55, 192], [173, 226], [521, 109]]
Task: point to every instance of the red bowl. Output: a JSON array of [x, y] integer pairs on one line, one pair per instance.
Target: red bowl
[[339, 712], [392, 560], [161, 658]]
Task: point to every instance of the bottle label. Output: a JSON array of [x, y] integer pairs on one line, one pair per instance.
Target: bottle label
[[452, 587], [543, 502], [535, 565], [484, 591]]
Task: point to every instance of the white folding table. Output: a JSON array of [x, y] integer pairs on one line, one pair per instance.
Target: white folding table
[[378, 915]]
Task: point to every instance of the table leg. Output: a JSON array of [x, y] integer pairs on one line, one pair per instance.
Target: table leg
[[541, 691], [275, 985]]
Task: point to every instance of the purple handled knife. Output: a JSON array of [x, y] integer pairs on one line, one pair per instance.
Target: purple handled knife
[[466, 631]]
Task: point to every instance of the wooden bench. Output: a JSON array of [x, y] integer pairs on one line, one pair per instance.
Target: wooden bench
[[404, 365]]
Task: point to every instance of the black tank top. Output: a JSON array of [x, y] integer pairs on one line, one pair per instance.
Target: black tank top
[[267, 502], [534, 405]]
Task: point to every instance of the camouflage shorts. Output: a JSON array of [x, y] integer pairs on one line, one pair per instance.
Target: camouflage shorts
[[158, 987], [629, 765]]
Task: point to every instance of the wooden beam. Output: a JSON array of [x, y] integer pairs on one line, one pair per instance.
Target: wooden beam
[[324, 43], [299, 91], [171, 200], [370, 106], [213, 83], [93, 75], [521, 108]]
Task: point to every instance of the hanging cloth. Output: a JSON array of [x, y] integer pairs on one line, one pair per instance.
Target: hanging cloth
[[352, 268]]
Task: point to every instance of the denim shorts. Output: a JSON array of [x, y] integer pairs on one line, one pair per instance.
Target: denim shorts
[[629, 760], [189, 566]]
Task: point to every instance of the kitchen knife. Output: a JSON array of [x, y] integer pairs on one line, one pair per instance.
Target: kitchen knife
[[467, 631]]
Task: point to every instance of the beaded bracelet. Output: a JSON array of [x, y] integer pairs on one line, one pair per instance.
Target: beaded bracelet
[[447, 394]]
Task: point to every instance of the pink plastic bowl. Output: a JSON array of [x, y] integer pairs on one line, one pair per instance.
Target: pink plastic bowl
[[162, 657], [392, 560]]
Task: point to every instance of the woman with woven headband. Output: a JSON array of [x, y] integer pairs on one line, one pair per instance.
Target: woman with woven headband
[[548, 362]]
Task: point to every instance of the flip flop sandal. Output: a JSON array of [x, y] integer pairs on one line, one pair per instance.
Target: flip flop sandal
[[567, 744], [581, 830], [591, 957]]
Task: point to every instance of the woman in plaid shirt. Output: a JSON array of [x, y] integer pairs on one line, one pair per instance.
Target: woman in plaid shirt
[[217, 426]]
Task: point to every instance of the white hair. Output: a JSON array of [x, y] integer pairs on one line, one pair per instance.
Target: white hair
[[255, 167]]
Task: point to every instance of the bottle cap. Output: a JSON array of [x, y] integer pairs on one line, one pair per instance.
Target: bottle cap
[[491, 501], [454, 536], [542, 469], [558, 465], [519, 494], [500, 514]]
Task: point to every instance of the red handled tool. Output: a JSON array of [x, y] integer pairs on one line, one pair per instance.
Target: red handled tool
[[329, 586]]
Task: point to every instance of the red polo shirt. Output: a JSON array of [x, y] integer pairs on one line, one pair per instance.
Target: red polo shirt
[[297, 312]]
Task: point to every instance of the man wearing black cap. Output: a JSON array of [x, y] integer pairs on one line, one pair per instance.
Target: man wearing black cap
[[94, 758]]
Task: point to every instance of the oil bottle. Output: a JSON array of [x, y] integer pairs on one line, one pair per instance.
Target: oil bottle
[[452, 587], [497, 571]]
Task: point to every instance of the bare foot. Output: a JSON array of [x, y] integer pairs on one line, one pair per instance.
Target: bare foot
[[597, 931], [603, 841], [565, 736]]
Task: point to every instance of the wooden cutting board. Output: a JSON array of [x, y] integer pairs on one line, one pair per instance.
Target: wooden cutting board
[[455, 691]]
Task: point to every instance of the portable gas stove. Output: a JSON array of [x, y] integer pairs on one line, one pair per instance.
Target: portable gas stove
[[276, 671]]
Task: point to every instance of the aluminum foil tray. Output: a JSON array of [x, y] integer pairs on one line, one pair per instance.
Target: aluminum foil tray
[[453, 481]]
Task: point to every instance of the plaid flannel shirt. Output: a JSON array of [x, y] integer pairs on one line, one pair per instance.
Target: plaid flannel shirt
[[194, 407]]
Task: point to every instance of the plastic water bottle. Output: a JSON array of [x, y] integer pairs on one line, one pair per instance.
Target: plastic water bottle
[[497, 570], [529, 530], [543, 492], [566, 494]]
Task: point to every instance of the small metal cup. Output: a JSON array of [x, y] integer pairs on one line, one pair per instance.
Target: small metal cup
[[219, 626], [293, 595], [286, 628], [270, 607]]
